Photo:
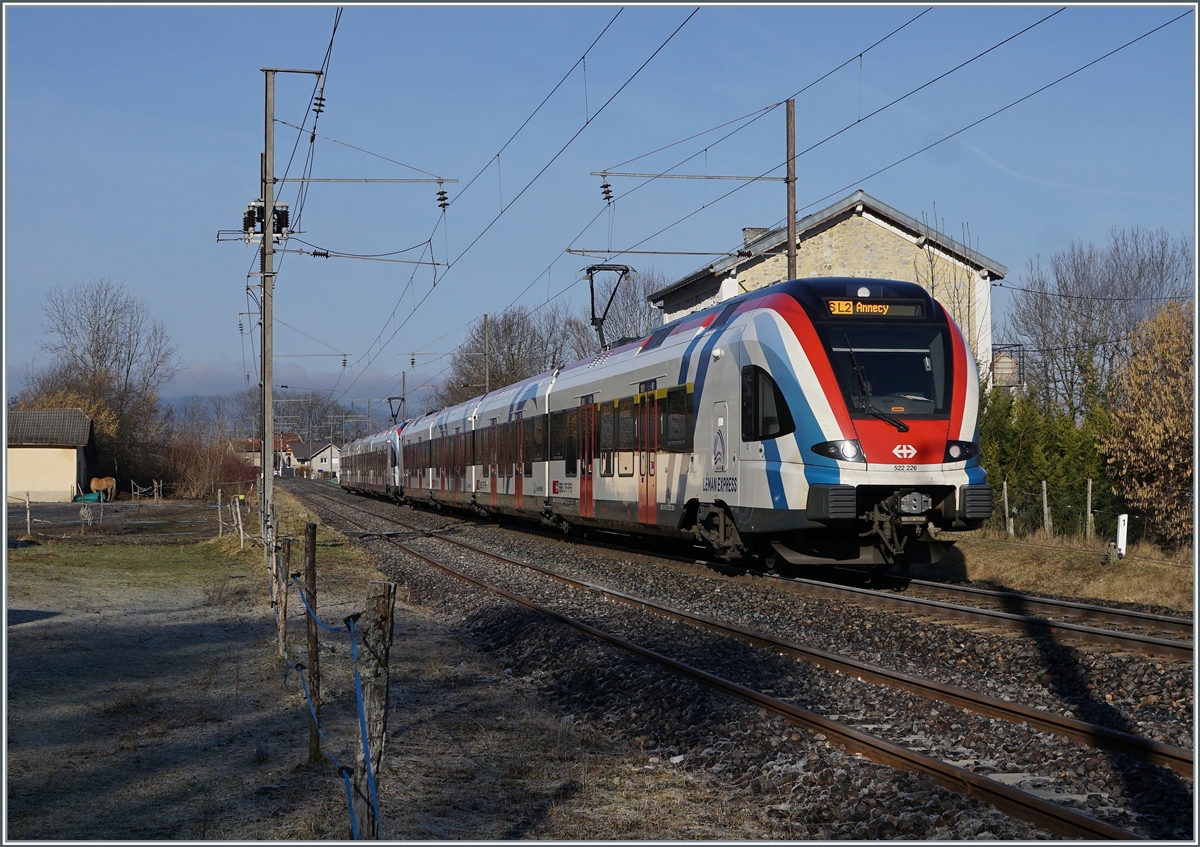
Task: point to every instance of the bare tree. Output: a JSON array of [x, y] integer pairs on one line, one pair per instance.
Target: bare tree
[[1075, 314], [313, 415], [950, 282], [106, 348], [520, 344]]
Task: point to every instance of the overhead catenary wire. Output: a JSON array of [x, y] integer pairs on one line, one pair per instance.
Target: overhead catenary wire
[[1043, 293], [916, 153], [453, 262]]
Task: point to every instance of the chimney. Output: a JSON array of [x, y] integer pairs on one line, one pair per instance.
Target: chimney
[[750, 233]]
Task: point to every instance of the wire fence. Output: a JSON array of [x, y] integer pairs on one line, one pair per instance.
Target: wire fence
[[1085, 510], [359, 782]]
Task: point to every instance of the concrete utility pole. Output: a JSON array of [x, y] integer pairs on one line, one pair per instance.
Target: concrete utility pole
[[791, 187], [268, 305], [487, 373]]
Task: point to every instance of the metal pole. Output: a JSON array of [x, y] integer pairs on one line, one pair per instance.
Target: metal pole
[[791, 187], [268, 313]]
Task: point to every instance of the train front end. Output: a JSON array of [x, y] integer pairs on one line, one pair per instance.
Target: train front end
[[888, 436]]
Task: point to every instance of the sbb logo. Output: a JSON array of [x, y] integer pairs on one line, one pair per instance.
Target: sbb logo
[[905, 451]]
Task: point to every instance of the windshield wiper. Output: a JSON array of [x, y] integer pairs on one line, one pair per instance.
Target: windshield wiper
[[870, 408]]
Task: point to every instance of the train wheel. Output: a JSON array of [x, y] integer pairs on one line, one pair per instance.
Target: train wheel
[[768, 558]]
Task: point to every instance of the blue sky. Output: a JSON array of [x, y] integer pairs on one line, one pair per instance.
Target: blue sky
[[133, 134]]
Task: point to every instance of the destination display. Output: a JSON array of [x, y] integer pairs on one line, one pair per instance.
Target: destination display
[[876, 308]]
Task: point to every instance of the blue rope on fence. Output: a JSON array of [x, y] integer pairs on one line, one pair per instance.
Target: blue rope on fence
[[362, 718], [342, 769], [311, 612]]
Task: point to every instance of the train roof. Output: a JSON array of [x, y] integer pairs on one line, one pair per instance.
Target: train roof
[[811, 293]]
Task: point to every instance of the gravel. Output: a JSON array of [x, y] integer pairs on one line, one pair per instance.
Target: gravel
[[815, 790]]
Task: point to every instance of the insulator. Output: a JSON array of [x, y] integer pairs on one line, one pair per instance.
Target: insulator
[[320, 254], [281, 218], [442, 201], [318, 104], [241, 329], [606, 189], [248, 220], [343, 361]]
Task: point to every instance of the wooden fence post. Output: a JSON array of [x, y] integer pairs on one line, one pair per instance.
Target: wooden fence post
[[1046, 522], [376, 627], [220, 517], [282, 601], [314, 666], [1008, 520], [28, 521]]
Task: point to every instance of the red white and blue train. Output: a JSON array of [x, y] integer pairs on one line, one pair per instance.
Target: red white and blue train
[[814, 420]]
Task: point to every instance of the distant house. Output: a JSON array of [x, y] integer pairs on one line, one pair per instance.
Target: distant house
[[320, 459], [250, 449], [48, 453], [857, 236]]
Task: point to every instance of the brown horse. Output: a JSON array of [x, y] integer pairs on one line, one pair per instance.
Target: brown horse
[[106, 484]]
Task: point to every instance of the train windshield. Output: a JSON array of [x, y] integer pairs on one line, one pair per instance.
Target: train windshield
[[900, 371]]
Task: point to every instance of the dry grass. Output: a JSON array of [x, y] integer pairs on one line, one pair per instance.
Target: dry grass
[[1073, 567]]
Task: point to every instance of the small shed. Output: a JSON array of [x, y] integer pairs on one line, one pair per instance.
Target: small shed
[[47, 454]]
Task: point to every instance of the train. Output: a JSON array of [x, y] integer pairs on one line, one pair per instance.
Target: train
[[813, 421]]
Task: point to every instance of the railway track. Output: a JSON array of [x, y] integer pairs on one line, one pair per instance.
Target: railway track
[[1016, 615], [1020, 804]]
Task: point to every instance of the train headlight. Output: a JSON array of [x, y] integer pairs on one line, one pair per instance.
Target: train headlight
[[960, 451], [846, 451]]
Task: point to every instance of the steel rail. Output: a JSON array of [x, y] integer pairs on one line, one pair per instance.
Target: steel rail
[[1012, 801], [1035, 626], [1068, 608]]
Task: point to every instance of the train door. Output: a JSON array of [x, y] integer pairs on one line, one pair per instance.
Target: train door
[[720, 430], [518, 451], [587, 455], [493, 443], [647, 448]]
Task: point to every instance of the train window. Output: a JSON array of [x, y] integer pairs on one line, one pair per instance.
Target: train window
[[724, 316], [483, 447], [900, 370], [765, 413], [557, 435], [539, 437], [657, 338], [608, 437], [571, 438], [626, 425], [626, 436], [526, 425], [506, 449], [680, 420]]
